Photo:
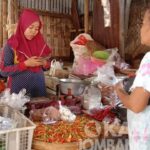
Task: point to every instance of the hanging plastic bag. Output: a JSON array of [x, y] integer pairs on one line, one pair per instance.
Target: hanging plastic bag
[[116, 58], [79, 45], [55, 65], [84, 66], [80, 50], [92, 98], [106, 79], [106, 74]]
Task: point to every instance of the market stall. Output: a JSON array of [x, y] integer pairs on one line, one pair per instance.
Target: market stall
[[88, 129], [81, 109], [99, 114]]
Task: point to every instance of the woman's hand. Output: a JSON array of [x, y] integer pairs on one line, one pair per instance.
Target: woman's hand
[[136, 101], [121, 93], [119, 87], [34, 61]]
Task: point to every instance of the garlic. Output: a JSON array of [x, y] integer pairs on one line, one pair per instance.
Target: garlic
[[66, 114]]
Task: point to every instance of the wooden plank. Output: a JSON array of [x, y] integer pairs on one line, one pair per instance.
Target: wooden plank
[[86, 16], [52, 146], [127, 13], [122, 28], [75, 15]]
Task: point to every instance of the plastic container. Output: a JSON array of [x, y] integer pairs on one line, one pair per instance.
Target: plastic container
[[19, 138]]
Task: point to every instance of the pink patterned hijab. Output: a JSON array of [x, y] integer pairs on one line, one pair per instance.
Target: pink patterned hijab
[[28, 48]]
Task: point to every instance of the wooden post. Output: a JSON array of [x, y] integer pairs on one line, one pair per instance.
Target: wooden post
[[1, 23], [124, 21], [127, 14], [86, 16], [122, 28]]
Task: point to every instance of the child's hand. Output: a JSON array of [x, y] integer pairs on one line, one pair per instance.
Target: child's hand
[[34, 62]]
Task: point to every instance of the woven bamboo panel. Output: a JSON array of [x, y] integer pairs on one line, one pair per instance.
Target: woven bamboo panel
[[57, 34], [56, 30], [133, 46], [8, 17]]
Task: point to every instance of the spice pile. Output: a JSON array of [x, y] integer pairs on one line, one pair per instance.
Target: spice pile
[[64, 132]]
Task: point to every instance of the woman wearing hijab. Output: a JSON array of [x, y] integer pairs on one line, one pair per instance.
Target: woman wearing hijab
[[24, 56]]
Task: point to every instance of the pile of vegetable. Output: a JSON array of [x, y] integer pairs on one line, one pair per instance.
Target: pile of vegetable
[[101, 54], [64, 132]]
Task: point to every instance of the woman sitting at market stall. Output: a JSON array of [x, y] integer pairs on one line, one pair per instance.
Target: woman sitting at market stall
[[137, 101], [25, 55]]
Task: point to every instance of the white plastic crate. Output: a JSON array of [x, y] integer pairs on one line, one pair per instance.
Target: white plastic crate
[[19, 138]]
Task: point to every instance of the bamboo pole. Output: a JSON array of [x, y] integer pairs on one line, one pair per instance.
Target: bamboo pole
[[86, 16], [9, 17], [5, 2], [16, 11]]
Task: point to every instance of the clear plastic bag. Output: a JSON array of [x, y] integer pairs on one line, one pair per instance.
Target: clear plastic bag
[[7, 123], [116, 58], [46, 115], [66, 114], [14, 100], [106, 74], [55, 65], [50, 115], [91, 98], [106, 79]]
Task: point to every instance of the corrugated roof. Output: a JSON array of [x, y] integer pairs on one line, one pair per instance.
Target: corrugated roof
[[57, 6]]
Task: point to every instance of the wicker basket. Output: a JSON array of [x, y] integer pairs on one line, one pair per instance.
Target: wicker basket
[[19, 138]]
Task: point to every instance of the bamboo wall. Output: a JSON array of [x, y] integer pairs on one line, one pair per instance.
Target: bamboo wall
[[57, 34], [8, 16], [56, 26]]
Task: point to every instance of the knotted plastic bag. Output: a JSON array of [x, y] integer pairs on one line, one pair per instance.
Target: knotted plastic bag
[[55, 65]]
